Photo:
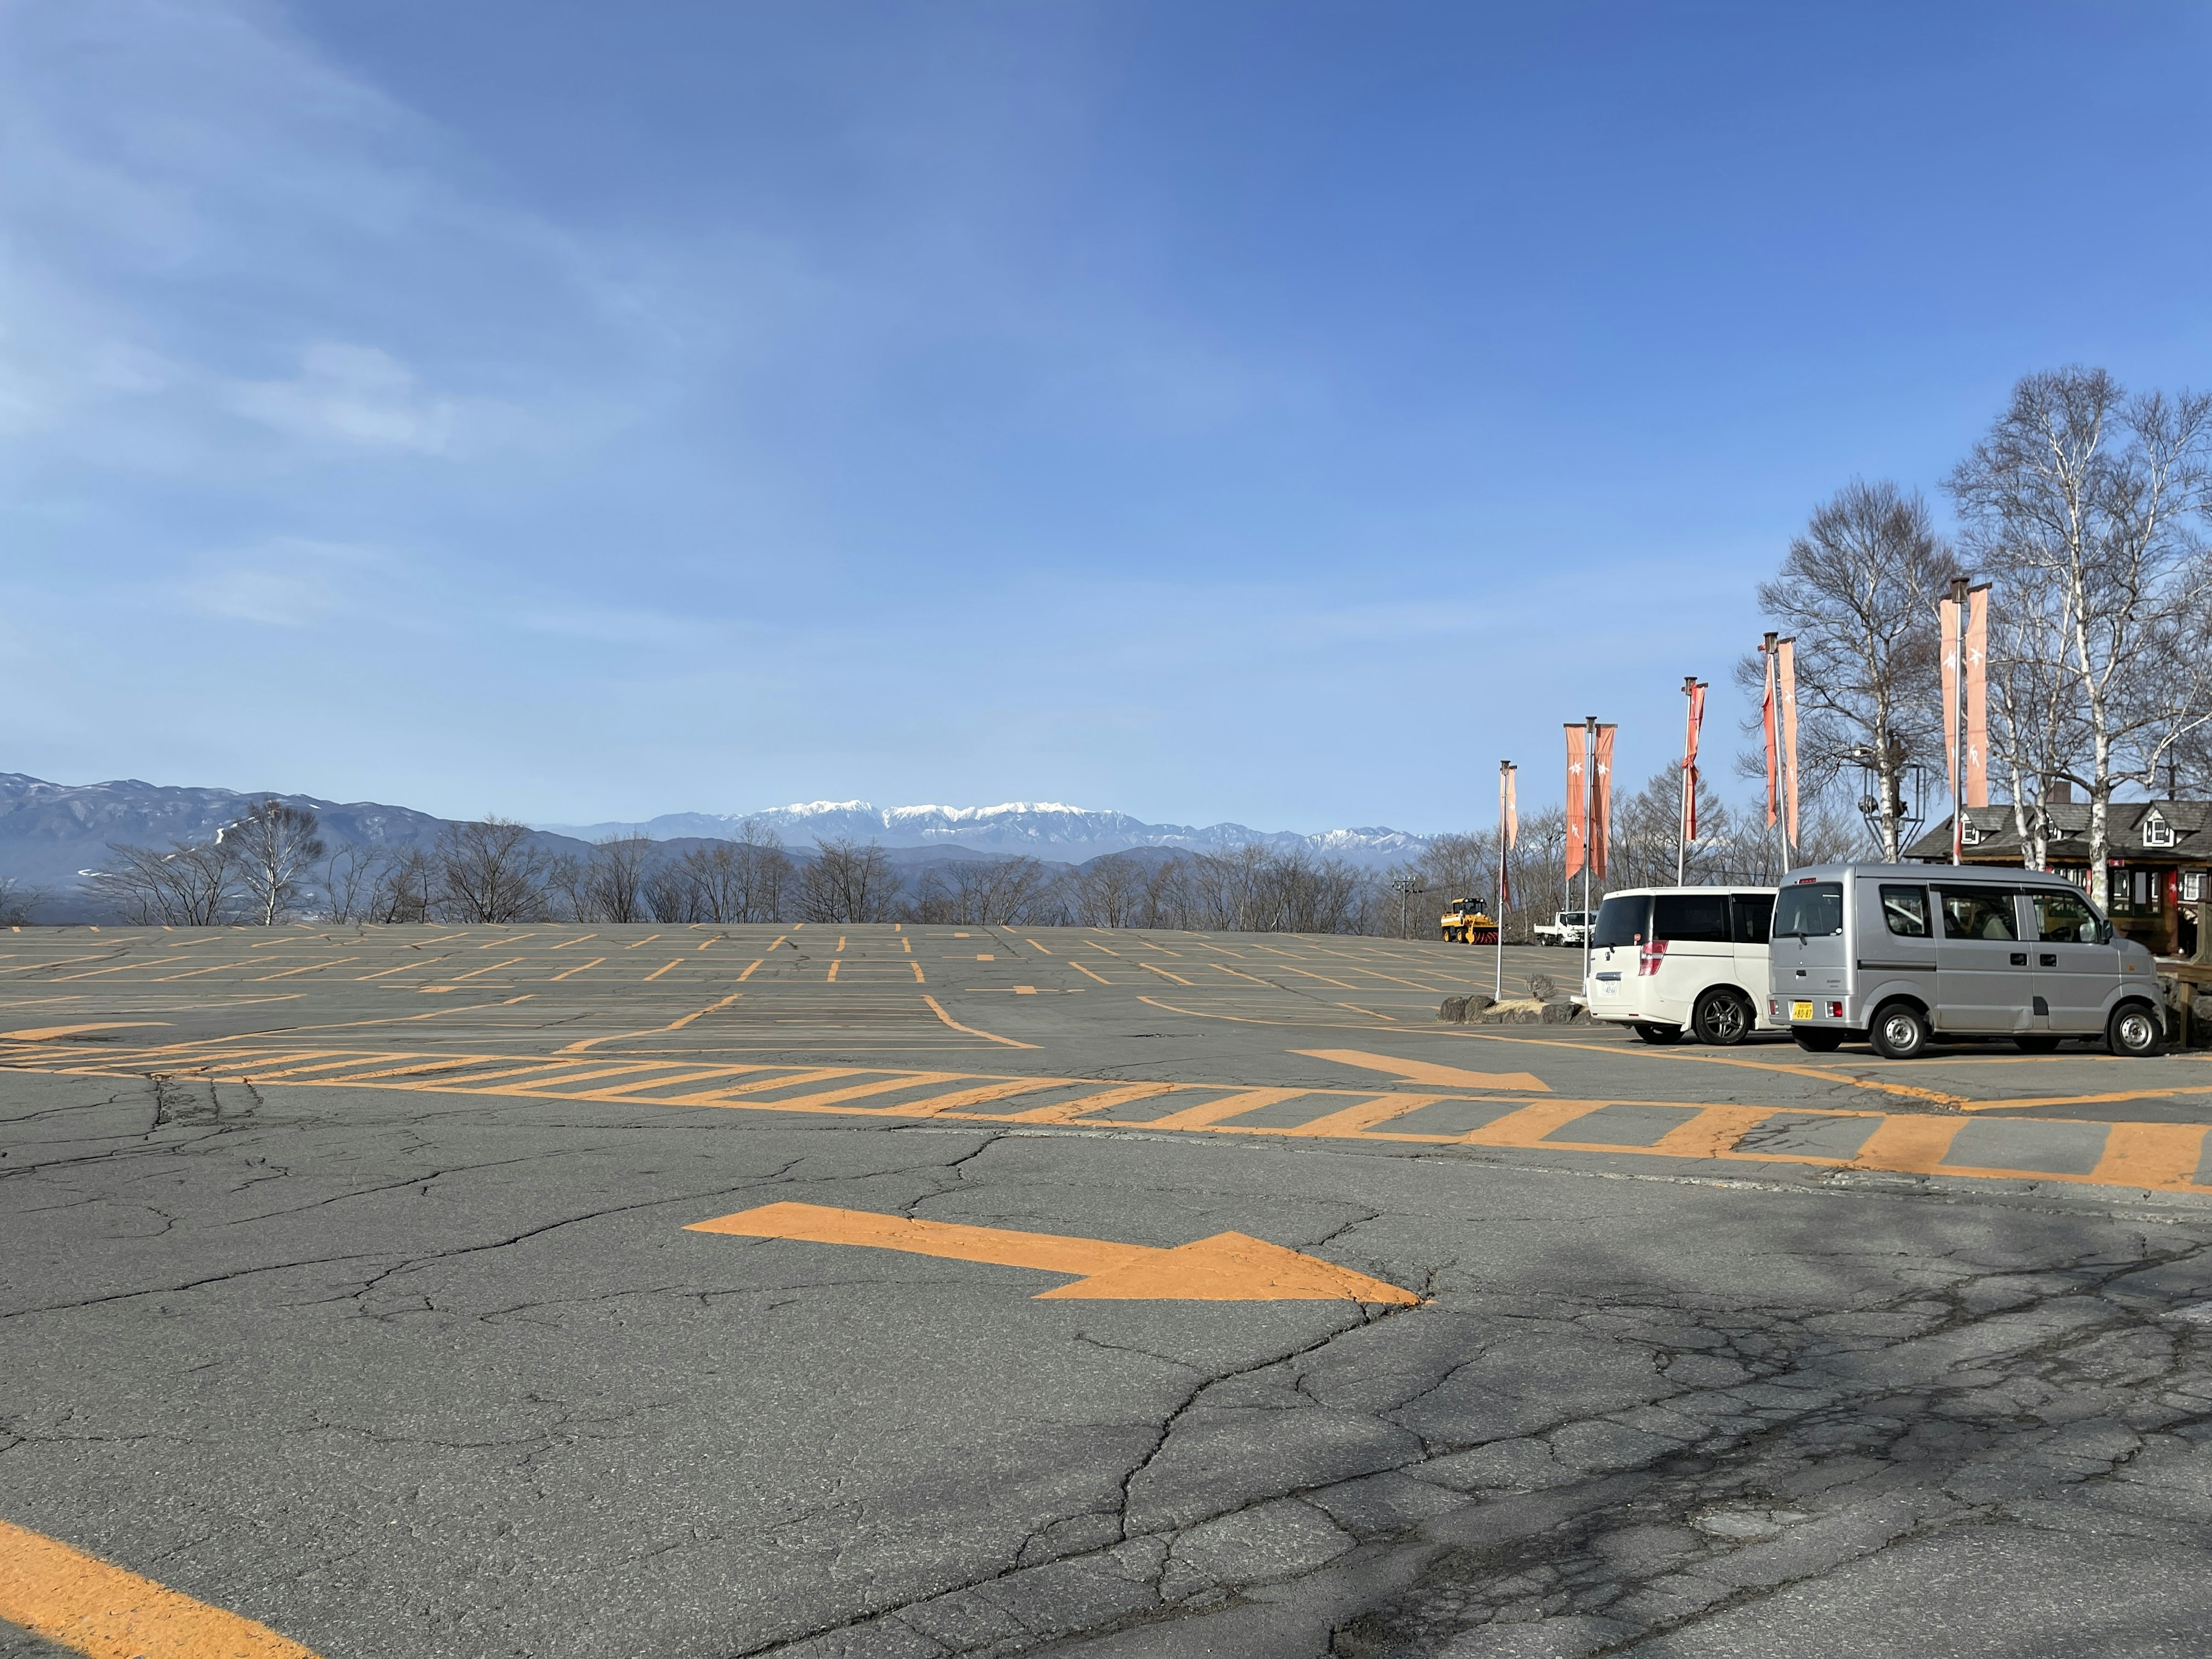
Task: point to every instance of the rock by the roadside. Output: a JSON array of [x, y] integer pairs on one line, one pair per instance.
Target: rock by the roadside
[[1453, 1010], [1543, 986], [1564, 1010]]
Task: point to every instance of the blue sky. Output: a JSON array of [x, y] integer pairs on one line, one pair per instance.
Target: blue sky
[[1269, 411]]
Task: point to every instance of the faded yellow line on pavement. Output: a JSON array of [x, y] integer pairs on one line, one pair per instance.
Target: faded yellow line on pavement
[[756, 962], [580, 967], [715, 1007], [1080, 968], [566, 943], [45, 1033], [1370, 1012], [304, 968], [1421, 1070], [1149, 969], [658, 972], [937, 1008], [648, 939], [104, 1611]]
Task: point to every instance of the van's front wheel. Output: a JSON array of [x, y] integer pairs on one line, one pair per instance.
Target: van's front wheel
[[2134, 1030], [1722, 1019], [1899, 1032]]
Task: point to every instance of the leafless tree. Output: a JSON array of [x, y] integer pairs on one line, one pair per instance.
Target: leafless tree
[[275, 844], [614, 883], [351, 875], [188, 886], [848, 881], [490, 869], [18, 903], [673, 895], [741, 880], [989, 892], [1647, 835], [406, 888], [1455, 866], [1108, 893], [2086, 506], [1166, 902], [1537, 864], [1858, 590]]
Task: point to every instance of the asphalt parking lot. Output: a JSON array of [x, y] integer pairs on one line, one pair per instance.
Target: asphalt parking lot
[[890, 1291]]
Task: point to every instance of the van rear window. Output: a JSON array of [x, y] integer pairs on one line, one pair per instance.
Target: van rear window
[[1811, 909], [1625, 921], [1690, 917]]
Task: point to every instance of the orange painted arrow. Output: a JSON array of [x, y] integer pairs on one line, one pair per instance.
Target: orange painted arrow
[[1226, 1267]]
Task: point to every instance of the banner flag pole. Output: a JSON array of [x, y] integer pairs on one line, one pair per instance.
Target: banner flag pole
[[1508, 835]]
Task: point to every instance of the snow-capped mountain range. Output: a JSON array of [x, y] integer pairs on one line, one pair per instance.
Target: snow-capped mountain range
[[1044, 828]]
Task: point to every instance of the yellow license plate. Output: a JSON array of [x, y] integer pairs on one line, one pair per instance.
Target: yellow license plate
[[1801, 1011]]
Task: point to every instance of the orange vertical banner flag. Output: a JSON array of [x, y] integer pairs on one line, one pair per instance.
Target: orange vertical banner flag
[[1690, 761], [1509, 833], [1947, 611], [1767, 722], [1578, 800], [1786, 684], [1976, 657], [1600, 825]]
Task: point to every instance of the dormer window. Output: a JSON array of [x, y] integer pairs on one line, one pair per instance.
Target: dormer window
[[2157, 832], [1970, 833]]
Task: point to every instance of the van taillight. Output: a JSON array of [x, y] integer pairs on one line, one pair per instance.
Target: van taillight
[[1650, 958]]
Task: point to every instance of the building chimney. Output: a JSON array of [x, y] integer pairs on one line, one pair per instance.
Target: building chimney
[[2057, 792]]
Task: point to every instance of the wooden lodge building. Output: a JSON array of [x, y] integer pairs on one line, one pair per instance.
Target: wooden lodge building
[[2159, 857]]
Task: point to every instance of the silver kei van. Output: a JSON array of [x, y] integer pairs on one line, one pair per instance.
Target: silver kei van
[[1900, 955]]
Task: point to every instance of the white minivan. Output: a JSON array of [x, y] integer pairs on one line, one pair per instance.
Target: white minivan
[[1667, 960]]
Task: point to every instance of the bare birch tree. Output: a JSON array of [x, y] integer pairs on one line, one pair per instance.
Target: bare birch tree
[[2086, 506], [275, 844], [1858, 590], [614, 883]]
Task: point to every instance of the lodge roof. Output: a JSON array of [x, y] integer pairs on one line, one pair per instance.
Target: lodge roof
[[2191, 822]]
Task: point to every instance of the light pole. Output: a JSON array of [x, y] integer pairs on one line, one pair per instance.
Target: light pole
[[1405, 887]]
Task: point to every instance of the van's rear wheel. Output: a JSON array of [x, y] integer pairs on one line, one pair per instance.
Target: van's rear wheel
[[1814, 1041], [1722, 1019], [2036, 1042], [2134, 1030], [1661, 1034], [1899, 1032]]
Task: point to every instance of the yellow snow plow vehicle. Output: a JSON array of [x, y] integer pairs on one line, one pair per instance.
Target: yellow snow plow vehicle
[[1465, 924]]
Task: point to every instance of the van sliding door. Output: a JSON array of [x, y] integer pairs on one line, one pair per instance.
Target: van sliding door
[[1983, 982]]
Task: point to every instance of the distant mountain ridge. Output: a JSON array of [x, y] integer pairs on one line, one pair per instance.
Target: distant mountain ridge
[[1040, 828]]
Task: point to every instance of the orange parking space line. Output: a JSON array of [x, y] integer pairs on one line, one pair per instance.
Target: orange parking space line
[[658, 972], [1040, 949], [194, 973], [1205, 1115], [1908, 1145], [1370, 1012], [416, 1065], [722, 1097], [304, 968], [2162, 1156], [1354, 1119], [834, 967], [1713, 1133], [954, 1104], [2111, 1099], [937, 1008], [491, 968], [857, 1091], [1151, 969], [580, 967], [386, 972], [566, 943], [1528, 1126], [748, 974], [647, 940], [1080, 968], [1063, 1111], [716, 1008], [1241, 974], [106, 1611], [918, 979]]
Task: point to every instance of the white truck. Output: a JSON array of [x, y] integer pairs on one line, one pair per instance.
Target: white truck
[[1566, 927]]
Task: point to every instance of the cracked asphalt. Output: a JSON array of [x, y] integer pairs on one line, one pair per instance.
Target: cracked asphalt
[[403, 1367]]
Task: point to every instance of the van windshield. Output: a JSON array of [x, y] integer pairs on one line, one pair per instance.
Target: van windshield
[[1811, 909], [1624, 921]]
